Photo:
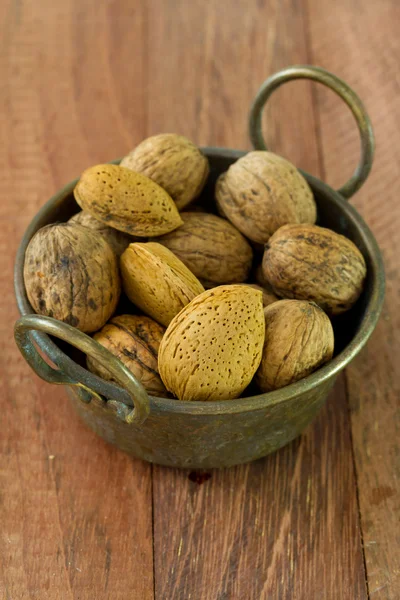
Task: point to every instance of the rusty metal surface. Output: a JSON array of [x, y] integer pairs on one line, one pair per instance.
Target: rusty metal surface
[[203, 441]]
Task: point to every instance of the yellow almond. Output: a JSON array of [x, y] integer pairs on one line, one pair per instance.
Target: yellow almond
[[213, 347], [157, 281], [128, 201]]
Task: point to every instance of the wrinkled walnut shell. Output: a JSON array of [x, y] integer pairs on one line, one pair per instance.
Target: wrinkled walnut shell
[[213, 249], [135, 340], [71, 274], [172, 161], [308, 262], [261, 192], [298, 340]]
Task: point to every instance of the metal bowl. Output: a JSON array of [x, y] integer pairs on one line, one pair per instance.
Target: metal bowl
[[207, 434]]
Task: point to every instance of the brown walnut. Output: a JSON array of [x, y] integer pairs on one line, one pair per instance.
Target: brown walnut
[[262, 191], [172, 161], [135, 340], [213, 249], [71, 274], [298, 340], [308, 262]]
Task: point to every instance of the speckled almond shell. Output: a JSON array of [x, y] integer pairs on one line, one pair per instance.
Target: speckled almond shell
[[268, 297], [71, 274], [135, 340], [313, 263], [261, 192], [157, 281], [172, 161], [118, 240], [298, 340], [128, 201], [213, 249], [213, 347]]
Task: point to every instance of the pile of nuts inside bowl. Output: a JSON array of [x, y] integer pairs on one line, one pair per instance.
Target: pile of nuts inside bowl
[[216, 302]]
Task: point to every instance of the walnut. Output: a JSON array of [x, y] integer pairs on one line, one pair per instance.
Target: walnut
[[298, 340], [71, 274], [135, 340], [172, 161], [308, 262], [261, 192], [213, 249]]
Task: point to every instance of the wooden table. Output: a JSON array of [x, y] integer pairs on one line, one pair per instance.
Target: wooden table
[[82, 83]]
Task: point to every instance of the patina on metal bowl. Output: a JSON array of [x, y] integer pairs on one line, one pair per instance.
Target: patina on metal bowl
[[207, 434]]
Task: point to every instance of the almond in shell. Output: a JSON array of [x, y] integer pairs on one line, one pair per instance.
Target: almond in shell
[[268, 297], [127, 201], [213, 347], [156, 281]]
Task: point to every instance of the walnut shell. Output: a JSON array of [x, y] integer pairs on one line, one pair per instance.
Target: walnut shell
[[211, 248], [298, 340], [213, 347], [157, 281], [71, 274], [135, 340], [172, 161], [313, 263], [118, 240], [260, 277], [128, 201], [261, 192], [268, 297]]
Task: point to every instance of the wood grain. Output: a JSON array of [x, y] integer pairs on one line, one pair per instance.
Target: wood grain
[[83, 82], [286, 527], [370, 37], [282, 527], [76, 515]]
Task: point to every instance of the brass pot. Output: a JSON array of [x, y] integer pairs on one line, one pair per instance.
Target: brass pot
[[208, 434]]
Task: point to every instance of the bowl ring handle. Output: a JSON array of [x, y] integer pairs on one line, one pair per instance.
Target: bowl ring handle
[[133, 405], [341, 89]]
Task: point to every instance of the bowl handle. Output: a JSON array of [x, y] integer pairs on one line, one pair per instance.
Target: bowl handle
[[341, 89], [132, 396]]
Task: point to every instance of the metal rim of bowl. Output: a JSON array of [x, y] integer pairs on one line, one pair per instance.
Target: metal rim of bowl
[[243, 404]]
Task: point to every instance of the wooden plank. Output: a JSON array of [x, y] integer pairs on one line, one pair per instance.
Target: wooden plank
[[76, 514], [369, 35], [285, 527]]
